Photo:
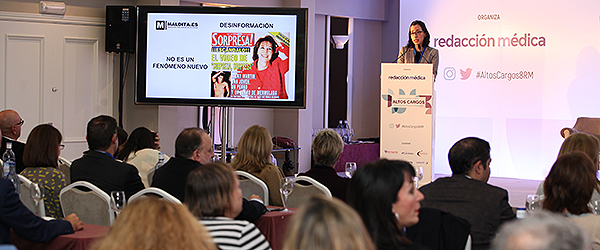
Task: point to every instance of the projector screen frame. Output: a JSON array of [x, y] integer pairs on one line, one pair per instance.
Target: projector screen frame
[[300, 65]]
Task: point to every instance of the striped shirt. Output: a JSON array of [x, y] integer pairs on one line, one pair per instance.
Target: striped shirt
[[234, 234]]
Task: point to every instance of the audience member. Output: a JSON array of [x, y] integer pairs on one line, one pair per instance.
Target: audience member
[[327, 224], [193, 148], [98, 166], [214, 196], [326, 149], [14, 215], [122, 136], [141, 150], [41, 158], [540, 231], [585, 143], [568, 189], [467, 195], [153, 223], [10, 125], [384, 195], [254, 157]]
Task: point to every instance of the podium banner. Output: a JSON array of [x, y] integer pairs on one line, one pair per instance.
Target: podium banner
[[407, 115]]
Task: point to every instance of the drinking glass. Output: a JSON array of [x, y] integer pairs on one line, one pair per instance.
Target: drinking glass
[[418, 176], [286, 187], [36, 192], [350, 168], [533, 203], [595, 206], [117, 201]]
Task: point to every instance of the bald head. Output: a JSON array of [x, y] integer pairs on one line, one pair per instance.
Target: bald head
[[10, 123]]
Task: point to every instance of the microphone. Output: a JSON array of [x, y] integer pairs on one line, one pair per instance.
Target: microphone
[[401, 55], [423, 53]]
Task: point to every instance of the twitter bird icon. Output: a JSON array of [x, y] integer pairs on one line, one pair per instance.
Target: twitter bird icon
[[464, 74]]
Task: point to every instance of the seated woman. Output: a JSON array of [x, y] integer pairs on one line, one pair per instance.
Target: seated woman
[[41, 158], [141, 150], [254, 157], [585, 143], [326, 149], [213, 195], [153, 223], [568, 189], [384, 195], [327, 224]]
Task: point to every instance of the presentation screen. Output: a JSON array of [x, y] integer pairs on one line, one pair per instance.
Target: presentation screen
[[252, 57]]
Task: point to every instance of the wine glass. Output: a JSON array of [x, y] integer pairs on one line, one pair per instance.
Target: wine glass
[[595, 206], [36, 193], [117, 201], [350, 168], [286, 187], [533, 203], [418, 176]]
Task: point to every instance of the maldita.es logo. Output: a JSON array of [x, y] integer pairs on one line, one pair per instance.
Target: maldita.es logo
[[399, 105], [161, 25], [164, 25]]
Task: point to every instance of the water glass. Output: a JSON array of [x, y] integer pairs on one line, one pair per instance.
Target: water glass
[[286, 187], [117, 201], [595, 206], [36, 191], [350, 168], [533, 203]]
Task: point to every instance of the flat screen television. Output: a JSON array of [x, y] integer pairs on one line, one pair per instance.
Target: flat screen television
[[245, 57]]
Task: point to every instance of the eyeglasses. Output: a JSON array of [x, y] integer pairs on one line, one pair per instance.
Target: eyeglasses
[[61, 146], [416, 33], [16, 124]]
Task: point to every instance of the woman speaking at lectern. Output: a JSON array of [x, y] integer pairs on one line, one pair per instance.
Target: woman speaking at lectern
[[417, 49]]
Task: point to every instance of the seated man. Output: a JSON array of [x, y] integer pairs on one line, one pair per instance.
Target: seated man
[[10, 125], [14, 215], [466, 194], [193, 148], [327, 148], [99, 167]]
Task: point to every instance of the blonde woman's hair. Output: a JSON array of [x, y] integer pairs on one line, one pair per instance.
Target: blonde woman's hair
[[254, 150], [153, 223], [327, 224], [583, 142], [327, 147]]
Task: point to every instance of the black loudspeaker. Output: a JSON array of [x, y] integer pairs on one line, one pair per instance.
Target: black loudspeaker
[[121, 24]]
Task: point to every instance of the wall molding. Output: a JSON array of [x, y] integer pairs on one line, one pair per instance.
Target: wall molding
[[51, 19]]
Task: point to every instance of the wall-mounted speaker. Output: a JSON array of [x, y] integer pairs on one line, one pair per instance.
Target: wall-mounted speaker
[[121, 24]]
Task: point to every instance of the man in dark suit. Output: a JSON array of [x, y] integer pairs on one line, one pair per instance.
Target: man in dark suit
[[193, 148], [10, 125], [327, 148], [99, 167], [466, 194]]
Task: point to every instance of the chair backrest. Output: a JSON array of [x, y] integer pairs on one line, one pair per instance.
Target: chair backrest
[[302, 192], [155, 191], [25, 197], [250, 185], [150, 175], [92, 207], [64, 166]]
